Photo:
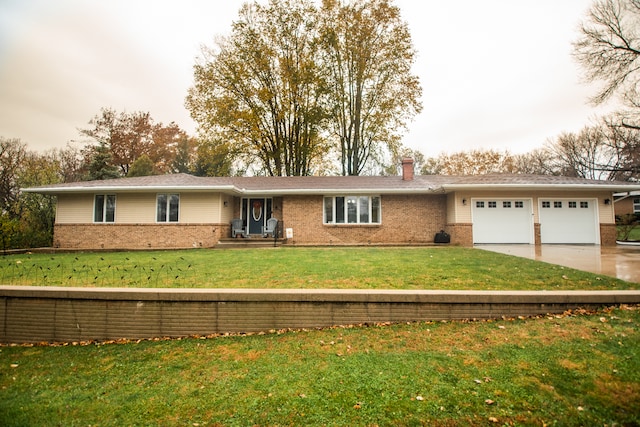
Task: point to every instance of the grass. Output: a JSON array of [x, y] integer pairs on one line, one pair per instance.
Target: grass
[[345, 268], [578, 369], [635, 234], [572, 370]]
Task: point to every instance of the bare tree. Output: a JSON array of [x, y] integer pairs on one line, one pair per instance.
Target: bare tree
[[474, 162], [536, 162], [581, 154], [606, 150], [624, 143], [609, 49]]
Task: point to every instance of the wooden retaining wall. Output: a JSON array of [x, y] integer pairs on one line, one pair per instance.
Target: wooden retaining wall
[[57, 314]]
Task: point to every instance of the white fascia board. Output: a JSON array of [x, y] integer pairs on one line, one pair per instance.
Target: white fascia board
[[339, 191], [128, 189], [233, 190], [498, 187]]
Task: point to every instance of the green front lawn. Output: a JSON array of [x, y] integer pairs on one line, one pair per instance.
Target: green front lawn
[[279, 268], [635, 234], [571, 370]]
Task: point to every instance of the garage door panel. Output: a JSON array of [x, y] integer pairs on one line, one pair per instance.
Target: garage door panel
[[502, 221], [568, 221]]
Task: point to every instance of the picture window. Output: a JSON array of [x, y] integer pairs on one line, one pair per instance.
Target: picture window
[[352, 210]]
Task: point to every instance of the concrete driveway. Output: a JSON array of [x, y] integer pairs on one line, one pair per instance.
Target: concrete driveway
[[618, 261]]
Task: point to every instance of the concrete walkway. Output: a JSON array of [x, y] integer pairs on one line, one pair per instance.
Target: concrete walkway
[[618, 261]]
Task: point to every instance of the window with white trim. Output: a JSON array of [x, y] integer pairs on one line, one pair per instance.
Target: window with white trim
[[546, 204], [479, 204], [557, 204], [573, 205], [506, 204], [584, 205], [519, 204], [493, 204], [636, 204], [104, 208], [167, 207], [352, 210]]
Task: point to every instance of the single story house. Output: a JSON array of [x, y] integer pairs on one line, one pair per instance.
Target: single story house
[[180, 210]]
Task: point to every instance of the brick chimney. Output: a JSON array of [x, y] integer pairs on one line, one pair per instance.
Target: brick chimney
[[407, 169]]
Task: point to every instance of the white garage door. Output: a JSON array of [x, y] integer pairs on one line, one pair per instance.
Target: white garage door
[[568, 221], [502, 221]]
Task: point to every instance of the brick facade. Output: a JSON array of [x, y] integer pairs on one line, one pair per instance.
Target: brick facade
[[138, 236], [406, 219], [608, 234], [42, 314], [461, 234]]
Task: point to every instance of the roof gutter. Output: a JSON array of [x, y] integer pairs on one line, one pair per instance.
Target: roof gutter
[[329, 191], [230, 189], [127, 189], [601, 187]]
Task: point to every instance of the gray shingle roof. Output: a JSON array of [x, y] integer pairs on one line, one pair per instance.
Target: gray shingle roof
[[331, 184]]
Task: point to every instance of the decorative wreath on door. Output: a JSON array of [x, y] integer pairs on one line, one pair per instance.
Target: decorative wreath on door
[[256, 210]]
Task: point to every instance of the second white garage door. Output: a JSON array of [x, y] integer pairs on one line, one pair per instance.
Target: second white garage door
[[568, 221], [502, 221]]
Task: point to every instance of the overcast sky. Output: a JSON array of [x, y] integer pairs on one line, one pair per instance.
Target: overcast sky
[[495, 73]]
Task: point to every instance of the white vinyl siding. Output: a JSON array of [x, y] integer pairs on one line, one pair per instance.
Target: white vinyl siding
[[74, 209], [202, 208]]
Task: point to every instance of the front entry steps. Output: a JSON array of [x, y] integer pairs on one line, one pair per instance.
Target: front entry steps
[[254, 241]]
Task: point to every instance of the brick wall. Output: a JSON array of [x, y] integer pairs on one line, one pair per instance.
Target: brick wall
[[137, 236], [624, 206], [406, 219], [37, 314], [461, 234], [608, 234]]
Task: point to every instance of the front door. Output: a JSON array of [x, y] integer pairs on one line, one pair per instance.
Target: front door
[[256, 211]]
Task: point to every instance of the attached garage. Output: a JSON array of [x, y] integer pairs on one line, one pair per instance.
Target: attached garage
[[502, 221], [569, 221]]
